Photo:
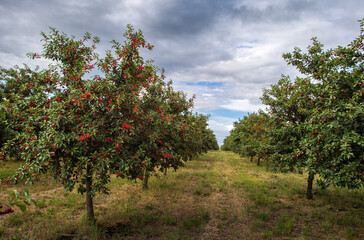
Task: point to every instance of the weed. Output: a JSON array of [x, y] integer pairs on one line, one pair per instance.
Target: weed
[[15, 220], [150, 207], [260, 215], [19, 236], [316, 214], [198, 192], [267, 235], [206, 184], [197, 221], [50, 212], [350, 233], [143, 219], [257, 225], [2, 230], [222, 185], [170, 220], [223, 214], [91, 232], [42, 203], [285, 225], [206, 194], [259, 198], [192, 222], [205, 216]]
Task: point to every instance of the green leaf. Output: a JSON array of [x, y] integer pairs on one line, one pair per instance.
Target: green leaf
[[26, 193], [27, 201], [33, 201], [2, 113], [17, 194], [22, 207]]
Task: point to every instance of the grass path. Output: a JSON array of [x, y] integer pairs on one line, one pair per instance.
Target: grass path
[[217, 196]]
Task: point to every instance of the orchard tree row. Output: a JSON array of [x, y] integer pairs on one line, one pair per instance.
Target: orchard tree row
[[126, 122], [313, 124], [249, 137]]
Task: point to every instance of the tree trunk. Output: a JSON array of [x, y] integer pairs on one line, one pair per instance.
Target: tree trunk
[[165, 172], [251, 158], [145, 183], [309, 194], [267, 164], [258, 162], [89, 202]]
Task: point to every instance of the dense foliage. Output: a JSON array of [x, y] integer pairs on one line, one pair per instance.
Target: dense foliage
[[249, 137]]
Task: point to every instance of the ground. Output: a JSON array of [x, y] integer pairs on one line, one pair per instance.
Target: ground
[[219, 195]]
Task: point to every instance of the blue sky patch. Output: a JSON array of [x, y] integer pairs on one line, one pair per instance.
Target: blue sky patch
[[221, 112], [205, 84]]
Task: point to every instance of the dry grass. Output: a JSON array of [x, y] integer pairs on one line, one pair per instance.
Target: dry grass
[[218, 196]]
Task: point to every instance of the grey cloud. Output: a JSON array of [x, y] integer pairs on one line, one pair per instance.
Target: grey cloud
[[188, 18], [186, 31], [273, 11], [28, 18]]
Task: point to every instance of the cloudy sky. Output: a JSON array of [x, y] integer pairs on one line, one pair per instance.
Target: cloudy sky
[[223, 51]]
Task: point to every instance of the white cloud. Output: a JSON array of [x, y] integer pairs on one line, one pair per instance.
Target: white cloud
[[221, 127], [243, 105]]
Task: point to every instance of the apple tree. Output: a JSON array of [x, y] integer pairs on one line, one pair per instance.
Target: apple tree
[[79, 129], [318, 118], [335, 142], [233, 142]]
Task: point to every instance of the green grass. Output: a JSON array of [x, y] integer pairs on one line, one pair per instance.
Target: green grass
[[285, 225], [196, 221], [217, 196], [262, 215], [169, 220], [15, 220], [8, 168]]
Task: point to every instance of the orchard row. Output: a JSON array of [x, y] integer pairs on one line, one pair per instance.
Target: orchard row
[[126, 122], [315, 123]]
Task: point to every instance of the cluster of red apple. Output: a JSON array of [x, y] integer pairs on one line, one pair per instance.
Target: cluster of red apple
[[9, 210]]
